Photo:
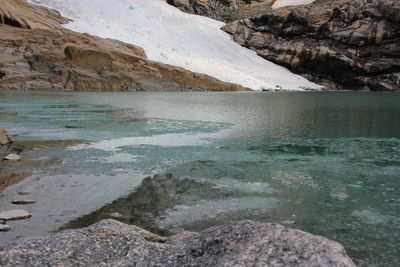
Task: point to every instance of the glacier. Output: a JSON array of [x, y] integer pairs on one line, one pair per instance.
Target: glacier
[[171, 36]]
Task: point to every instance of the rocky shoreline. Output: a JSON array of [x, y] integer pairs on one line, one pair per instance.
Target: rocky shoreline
[[111, 243]]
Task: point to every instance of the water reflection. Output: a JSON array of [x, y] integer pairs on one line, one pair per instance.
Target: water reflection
[[144, 206]]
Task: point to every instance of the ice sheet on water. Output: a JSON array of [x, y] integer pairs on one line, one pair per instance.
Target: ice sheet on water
[[216, 210]]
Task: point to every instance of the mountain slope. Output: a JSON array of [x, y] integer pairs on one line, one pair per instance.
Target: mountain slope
[[173, 37], [36, 53], [352, 44]]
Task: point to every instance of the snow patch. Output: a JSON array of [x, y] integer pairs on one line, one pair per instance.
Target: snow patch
[[177, 38]]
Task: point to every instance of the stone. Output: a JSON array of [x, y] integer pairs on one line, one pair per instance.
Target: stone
[[2, 222], [12, 157], [288, 222], [23, 193], [112, 243], [116, 215], [341, 44], [14, 215], [4, 228], [23, 201], [5, 137]]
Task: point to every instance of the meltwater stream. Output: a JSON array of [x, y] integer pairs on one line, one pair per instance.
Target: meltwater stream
[[323, 162]]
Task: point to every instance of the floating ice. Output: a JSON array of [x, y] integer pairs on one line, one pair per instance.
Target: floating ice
[[217, 209]]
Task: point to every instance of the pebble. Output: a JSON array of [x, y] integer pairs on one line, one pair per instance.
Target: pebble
[[12, 157], [4, 228], [288, 222], [23, 193], [116, 215], [23, 201], [14, 215], [2, 222]]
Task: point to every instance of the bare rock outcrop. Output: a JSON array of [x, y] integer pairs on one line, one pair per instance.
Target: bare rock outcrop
[[18, 14], [347, 44], [37, 54], [111, 243], [224, 10]]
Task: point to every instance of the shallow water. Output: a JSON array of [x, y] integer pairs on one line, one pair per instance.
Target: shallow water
[[324, 162]]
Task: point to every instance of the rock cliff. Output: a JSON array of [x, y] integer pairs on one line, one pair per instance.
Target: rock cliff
[[344, 44], [36, 53], [224, 10], [111, 243]]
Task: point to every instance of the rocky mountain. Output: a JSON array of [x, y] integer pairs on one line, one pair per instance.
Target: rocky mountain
[[224, 10], [37, 53], [346, 44]]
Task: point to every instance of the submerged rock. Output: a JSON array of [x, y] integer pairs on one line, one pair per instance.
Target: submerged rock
[[14, 215], [5, 137], [111, 243], [23, 201], [23, 193]]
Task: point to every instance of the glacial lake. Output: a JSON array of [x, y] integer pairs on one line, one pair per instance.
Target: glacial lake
[[323, 162]]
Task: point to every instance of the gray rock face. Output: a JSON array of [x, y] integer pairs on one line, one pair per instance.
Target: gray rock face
[[5, 137], [14, 215], [111, 243], [353, 44], [224, 10]]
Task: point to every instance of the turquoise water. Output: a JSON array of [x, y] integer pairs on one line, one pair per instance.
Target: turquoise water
[[327, 163]]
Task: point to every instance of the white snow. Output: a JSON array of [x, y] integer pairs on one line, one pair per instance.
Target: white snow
[[174, 37], [282, 3]]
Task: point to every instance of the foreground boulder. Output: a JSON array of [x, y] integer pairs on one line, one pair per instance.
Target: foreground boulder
[[345, 44], [5, 137], [111, 243]]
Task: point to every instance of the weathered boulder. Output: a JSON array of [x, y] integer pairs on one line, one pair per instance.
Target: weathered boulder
[[5, 137], [351, 44], [111, 243], [224, 10], [38, 55]]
